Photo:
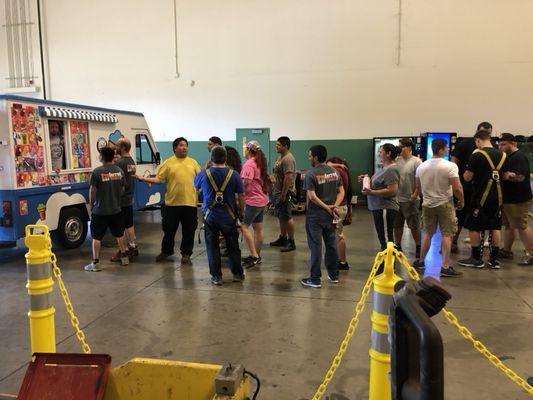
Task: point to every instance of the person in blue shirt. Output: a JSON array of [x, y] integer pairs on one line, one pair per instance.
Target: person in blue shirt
[[221, 187]]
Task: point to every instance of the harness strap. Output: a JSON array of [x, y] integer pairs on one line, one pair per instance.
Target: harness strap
[[495, 178], [219, 193]]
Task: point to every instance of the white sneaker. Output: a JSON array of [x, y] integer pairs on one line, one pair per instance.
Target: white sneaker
[[124, 260], [92, 267]]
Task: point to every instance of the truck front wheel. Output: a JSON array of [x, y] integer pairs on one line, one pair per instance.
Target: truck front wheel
[[72, 228]]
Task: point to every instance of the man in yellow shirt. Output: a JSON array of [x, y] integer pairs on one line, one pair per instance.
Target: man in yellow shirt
[[178, 172]]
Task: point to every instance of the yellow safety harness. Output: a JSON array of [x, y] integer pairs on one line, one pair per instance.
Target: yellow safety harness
[[219, 194], [495, 179]]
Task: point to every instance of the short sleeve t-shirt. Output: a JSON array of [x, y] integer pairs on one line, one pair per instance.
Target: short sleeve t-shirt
[[324, 181], [108, 181], [345, 183], [380, 180], [219, 213], [282, 166], [435, 175], [517, 192], [127, 165], [479, 165], [462, 152], [179, 174], [254, 194], [407, 169]]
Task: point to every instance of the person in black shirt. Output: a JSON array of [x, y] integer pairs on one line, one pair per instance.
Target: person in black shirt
[[516, 198], [484, 169], [460, 155]]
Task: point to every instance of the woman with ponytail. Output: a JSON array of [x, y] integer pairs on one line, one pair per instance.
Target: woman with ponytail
[[256, 181]]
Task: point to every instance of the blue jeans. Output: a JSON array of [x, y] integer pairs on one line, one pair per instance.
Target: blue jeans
[[213, 231], [316, 232]]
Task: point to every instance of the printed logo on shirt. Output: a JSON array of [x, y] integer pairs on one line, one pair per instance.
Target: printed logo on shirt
[[327, 178], [131, 168], [110, 176]]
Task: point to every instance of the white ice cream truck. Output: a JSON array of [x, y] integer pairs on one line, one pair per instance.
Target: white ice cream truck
[[47, 152]]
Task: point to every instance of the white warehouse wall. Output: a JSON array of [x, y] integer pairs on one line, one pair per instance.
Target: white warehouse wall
[[310, 69]]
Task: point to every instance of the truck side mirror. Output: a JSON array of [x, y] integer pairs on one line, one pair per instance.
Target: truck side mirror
[[157, 158]]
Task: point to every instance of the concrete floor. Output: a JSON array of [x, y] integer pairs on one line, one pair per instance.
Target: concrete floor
[[283, 332]]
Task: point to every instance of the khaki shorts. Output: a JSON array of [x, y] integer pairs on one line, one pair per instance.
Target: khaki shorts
[[410, 212], [442, 216], [342, 211], [515, 216]]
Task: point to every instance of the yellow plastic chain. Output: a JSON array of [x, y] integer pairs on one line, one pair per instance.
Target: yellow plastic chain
[[68, 305], [351, 328], [467, 334]]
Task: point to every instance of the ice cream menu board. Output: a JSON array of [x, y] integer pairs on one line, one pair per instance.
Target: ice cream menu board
[[79, 133], [28, 143]]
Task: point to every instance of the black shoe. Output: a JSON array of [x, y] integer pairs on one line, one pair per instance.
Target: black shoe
[[504, 254], [252, 262], [419, 265], [279, 242], [454, 249], [471, 262], [494, 264], [238, 278], [290, 246], [449, 272], [343, 266], [333, 279], [308, 282], [246, 259], [162, 257], [217, 281]]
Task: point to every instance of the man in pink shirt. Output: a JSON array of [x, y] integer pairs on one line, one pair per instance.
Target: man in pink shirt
[[255, 177]]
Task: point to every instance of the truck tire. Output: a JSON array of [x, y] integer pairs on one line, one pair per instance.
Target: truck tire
[[72, 229]]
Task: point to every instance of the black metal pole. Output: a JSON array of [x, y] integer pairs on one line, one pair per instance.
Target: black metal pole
[[41, 47]]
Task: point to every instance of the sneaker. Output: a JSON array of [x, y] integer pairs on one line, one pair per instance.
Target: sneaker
[[238, 278], [162, 257], [471, 262], [333, 279], [526, 260], [124, 259], [252, 262], [290, 246], [308, 282], [343, 266], [217, 281], [134, 251], [419, 265], [494, 264], [246, 259], [449, 272], [92, 267], [185, 259], [454, 249], [115, 257], [279, 242]]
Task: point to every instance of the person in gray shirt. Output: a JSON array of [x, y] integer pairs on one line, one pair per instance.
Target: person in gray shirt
[[408, 201], [324, 195], [382, 193], [105, 195]]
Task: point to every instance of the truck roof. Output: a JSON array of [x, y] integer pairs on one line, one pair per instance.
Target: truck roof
[[60, 103]]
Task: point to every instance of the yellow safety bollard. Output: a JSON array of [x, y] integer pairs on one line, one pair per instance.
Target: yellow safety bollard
[[40, 286], [380, 386]]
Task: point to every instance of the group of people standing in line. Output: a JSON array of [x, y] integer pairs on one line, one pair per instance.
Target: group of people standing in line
[[477, 189], [484, 185]]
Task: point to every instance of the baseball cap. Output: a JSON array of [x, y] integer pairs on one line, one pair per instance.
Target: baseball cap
[[253, 145], [507, 137]]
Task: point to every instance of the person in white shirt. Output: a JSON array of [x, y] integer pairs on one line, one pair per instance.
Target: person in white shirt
[[438, 181]]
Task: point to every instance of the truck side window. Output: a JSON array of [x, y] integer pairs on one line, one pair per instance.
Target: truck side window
[[56, 130], [79, 143], [143, 150]]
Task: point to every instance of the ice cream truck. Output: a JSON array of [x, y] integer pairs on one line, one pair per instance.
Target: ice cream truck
[[47, 152]]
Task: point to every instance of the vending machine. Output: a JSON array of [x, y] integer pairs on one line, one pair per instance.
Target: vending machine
[[427, 139], [395, 140]]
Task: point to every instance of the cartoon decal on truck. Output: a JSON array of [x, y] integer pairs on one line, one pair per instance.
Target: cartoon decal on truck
[[47, 152]]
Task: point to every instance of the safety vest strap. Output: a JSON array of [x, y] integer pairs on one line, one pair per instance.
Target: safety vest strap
[[495, 178], [219, 193]]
